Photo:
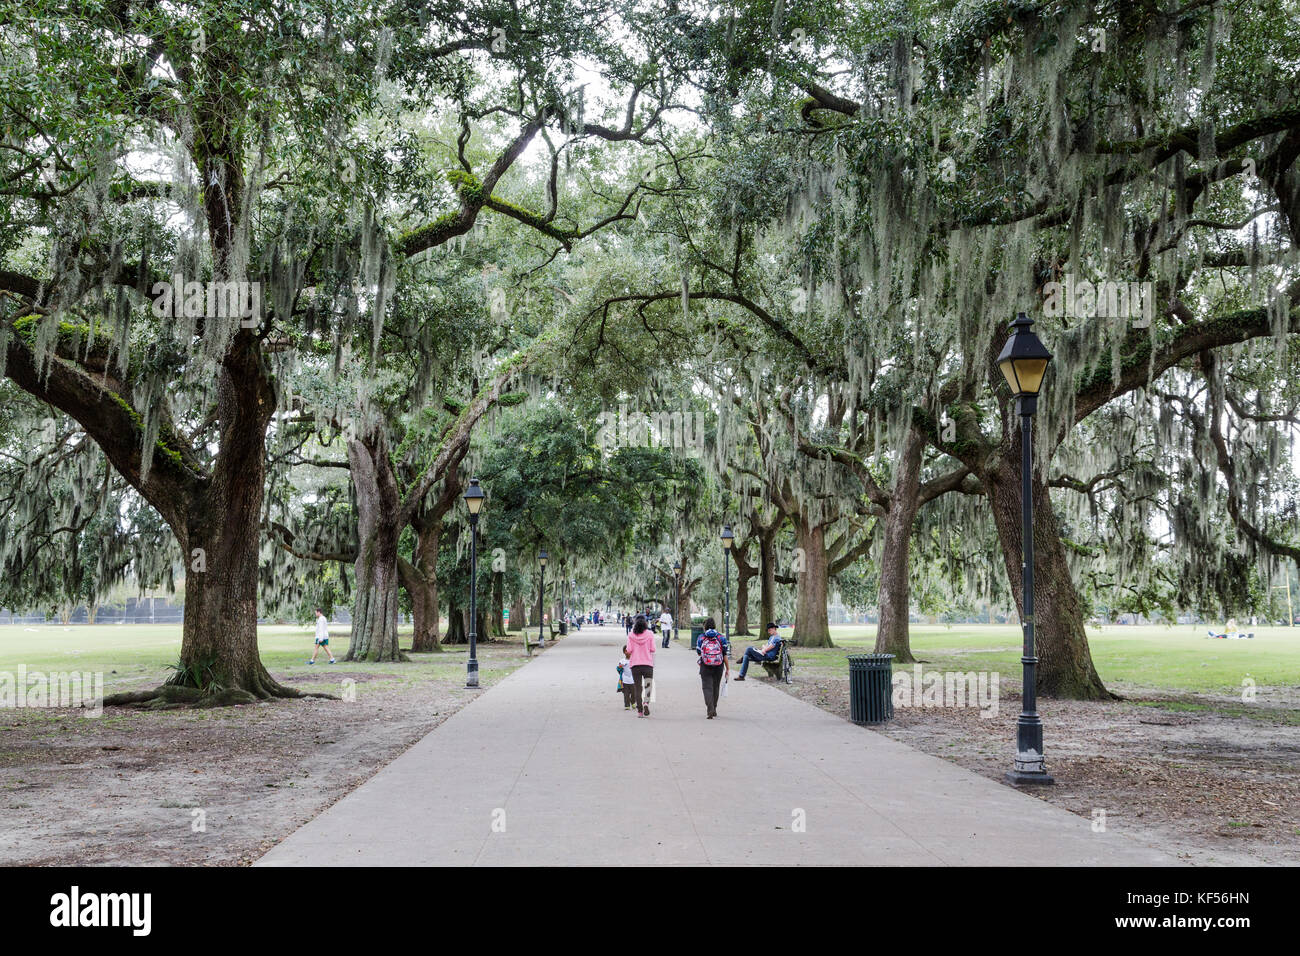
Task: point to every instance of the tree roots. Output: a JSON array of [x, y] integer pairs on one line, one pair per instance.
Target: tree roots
[[176, 696]]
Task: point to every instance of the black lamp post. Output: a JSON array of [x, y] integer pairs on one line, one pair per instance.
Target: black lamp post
[[474, 499], [677, 594], [728, 539], [1023, 362], [542, 558]]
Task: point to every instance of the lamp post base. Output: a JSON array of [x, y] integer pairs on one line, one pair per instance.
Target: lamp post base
[[471, 673], [1028, 777]]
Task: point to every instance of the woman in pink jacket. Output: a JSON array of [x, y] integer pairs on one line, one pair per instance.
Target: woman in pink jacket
[[641, 652]]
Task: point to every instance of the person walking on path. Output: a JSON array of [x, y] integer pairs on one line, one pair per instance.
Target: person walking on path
[[322, 637], [666, 626], [713, 650], [641, 652]]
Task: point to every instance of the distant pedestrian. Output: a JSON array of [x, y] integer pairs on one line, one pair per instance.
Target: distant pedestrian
[[713, 650], [641, 652], [666, 626], [322, 637]]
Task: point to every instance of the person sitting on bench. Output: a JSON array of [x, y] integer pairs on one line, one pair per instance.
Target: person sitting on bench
[[769, 653]]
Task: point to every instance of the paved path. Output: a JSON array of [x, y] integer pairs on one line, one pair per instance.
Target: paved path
[[547, 768]]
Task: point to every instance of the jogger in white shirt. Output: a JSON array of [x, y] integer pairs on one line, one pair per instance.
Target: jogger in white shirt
[[322, 637]]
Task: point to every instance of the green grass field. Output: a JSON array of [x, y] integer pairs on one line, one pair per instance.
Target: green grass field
[[1180, 659], [136, 655]]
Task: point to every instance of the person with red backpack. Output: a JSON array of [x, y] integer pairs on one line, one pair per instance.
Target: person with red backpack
[[714, 650]]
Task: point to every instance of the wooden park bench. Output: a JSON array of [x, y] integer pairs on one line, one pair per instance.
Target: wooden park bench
[[780, 668]]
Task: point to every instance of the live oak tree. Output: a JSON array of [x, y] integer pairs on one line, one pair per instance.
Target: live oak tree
[[141, 142], [227, 147]]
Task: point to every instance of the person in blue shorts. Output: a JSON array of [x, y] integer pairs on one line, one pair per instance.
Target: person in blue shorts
[[322, 637]]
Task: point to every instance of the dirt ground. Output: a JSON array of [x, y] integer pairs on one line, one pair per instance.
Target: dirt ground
[[220, 786], [1205, 778]]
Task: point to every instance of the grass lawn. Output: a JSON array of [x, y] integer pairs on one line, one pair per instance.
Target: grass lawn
[[1180, 659], [136, 656]]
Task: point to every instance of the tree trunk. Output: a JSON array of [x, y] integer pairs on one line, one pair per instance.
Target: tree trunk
[[456, 633], [426, 618], [811, 623], [219, 646], [221, 541], [1065, 667], [423, 591], [744, 572], [517, 613], [496, 625], [767, 571], [374, 614], [742, 601], [420, 578], [686, 603], [892, 635], [92, 610]]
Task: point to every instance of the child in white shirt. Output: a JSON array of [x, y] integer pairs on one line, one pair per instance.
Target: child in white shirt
[[625, 681]]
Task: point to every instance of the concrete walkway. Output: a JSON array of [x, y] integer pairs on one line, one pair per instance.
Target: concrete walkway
[[547, 768]]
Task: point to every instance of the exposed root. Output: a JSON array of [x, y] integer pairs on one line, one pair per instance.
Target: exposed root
[[175, 696]]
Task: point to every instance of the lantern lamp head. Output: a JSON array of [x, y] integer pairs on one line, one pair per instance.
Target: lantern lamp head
[[474, 497], [1024, 359]]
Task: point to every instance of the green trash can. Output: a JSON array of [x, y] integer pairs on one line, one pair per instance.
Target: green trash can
[[564, 628], [696, 631], [871, 698]]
